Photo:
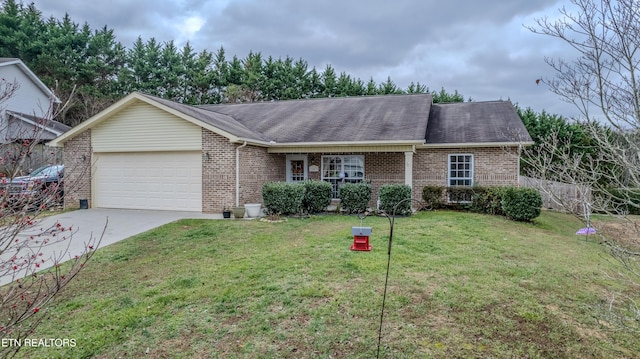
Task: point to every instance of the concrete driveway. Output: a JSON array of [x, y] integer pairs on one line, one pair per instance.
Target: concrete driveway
[[90, 223]]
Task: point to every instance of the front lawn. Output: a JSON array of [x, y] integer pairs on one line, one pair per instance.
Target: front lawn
[[461, 285]]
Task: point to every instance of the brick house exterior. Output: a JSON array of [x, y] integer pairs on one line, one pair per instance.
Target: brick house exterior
[[240, 147], [77, 160]]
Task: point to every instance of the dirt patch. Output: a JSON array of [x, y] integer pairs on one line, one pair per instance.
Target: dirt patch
[[625, 232]]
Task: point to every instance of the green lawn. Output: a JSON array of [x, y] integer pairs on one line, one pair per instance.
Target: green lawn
[[461, 285]]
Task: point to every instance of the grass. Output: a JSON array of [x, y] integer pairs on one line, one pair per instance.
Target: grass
[[461, 285]]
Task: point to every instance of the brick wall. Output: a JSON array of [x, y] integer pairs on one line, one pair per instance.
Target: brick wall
[[381, 169], [77, 169], [493, 166], [218, 172], [257, 167]]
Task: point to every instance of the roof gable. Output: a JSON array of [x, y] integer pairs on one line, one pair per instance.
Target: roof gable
[[181, 111], [7, 61], [221, 121]]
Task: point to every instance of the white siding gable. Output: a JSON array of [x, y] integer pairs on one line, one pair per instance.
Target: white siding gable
[[142, 127], [29, 98]]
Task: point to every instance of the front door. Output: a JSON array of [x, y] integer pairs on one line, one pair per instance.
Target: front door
[[296, 168]]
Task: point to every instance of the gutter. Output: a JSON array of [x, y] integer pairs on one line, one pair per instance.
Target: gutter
[[238, 173], [475, 144], [346, 143]]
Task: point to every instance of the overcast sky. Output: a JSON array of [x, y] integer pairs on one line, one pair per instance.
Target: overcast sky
[[479, 48]]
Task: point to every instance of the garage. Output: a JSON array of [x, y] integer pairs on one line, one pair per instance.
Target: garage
[[148, 180]]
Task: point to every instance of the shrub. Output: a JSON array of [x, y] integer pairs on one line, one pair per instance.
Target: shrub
[[487, 200], [354, 197], [433, 197], [459, 197], [317, 196], [392, 194], [521, 204], [282, 197]]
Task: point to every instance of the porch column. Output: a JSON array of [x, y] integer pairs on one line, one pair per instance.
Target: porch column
[[408, 169]]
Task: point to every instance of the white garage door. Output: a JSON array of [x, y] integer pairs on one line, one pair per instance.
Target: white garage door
[[148, 180]]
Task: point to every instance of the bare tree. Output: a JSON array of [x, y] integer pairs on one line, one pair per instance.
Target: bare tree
[[603, 82], [36, 262]]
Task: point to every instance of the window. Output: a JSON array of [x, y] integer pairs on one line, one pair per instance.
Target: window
[[338, 170], [460, 170]]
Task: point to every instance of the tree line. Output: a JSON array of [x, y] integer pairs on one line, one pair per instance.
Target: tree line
[[92, 69], [89, 70]]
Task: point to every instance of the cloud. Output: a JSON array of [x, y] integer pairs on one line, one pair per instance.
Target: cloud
[[479, 48]]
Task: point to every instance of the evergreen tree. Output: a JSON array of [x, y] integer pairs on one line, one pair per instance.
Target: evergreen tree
[[388, 88], [98, 70], [329, 82]]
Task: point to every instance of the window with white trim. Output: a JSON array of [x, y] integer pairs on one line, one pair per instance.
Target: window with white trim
[[338, 170], [460, 170]]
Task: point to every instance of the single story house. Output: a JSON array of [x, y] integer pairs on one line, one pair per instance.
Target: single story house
[[144, 152]]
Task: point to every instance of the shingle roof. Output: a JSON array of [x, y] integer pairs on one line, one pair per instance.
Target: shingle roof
[[7, 59], [475, 122], [367, 118], [408, 119], [54, 126]]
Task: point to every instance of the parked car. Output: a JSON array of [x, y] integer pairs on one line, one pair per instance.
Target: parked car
[[42, 187]]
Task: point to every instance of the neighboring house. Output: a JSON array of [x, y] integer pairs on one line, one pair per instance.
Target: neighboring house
[[145, 152], [26, 114]]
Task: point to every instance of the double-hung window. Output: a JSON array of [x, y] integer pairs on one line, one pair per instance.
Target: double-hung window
[[460, 174], [460, 170], [338, 170]]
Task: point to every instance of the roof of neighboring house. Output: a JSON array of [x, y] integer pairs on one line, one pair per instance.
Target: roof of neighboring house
[[409, 119], [55, 127], [475, 122], [7, 61], [365, 118]]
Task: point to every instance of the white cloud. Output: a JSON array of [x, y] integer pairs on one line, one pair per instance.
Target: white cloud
[[188, 28]]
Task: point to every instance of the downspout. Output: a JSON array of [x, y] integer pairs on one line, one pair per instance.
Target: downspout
[[518, 159], [238, 173]]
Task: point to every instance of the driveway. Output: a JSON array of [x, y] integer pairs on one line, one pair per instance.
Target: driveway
[[90, 223]]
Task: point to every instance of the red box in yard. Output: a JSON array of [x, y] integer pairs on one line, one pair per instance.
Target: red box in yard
[[361, 243], [361, 238]]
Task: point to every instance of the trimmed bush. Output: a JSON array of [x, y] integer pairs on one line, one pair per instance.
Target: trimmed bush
[[354, 197], [459, 197], [282, 197], [487, 200], [317, 196], [392, 194], [460, 194], [521, 204], [433, 197]]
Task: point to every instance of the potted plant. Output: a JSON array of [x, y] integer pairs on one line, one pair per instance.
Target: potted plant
[[226, 212], [238, 212], [253, 209]]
